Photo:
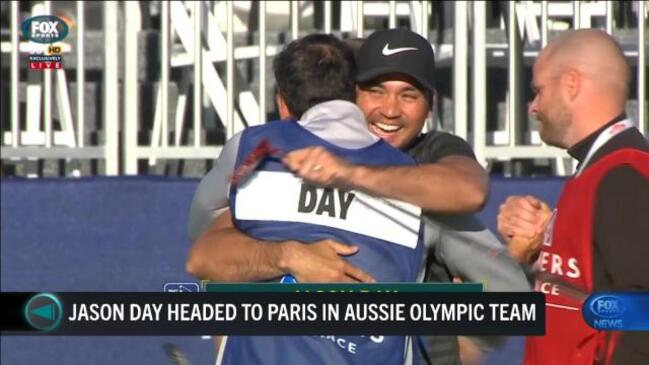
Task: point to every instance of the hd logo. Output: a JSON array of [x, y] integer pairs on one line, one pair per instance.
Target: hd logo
[[46, 29]]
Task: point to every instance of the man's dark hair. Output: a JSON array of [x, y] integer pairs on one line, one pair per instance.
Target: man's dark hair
[[315, 69], [355, 45]]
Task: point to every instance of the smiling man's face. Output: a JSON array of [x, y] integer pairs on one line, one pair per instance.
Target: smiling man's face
[[395, 108]]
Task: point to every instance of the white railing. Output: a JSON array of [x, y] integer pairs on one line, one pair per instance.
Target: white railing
[[530, 16], [197, 42]]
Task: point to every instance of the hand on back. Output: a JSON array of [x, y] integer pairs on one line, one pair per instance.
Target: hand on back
[[322, 262]]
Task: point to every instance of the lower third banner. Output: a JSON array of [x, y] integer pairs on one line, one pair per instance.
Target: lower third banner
[[273, 313]]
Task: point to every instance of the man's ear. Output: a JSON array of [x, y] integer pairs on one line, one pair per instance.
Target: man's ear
[[571, 84], [284, 112], [432, 99]]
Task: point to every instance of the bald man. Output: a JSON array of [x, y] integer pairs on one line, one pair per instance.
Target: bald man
[[597, 238]]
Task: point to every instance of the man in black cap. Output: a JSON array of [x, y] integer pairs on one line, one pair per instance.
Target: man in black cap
[[395, 91]]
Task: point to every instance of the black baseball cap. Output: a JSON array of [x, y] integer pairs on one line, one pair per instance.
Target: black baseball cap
[[397, 51]]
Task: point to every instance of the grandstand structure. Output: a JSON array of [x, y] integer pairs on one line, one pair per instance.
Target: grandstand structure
[[156, 87]]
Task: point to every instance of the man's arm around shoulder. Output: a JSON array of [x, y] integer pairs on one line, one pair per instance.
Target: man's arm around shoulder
[[454, 184]]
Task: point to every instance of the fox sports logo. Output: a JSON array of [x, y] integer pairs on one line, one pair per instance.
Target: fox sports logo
[[44, 29], [608, 306]]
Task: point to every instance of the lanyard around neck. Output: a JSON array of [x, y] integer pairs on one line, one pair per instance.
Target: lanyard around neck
[[601, 140]]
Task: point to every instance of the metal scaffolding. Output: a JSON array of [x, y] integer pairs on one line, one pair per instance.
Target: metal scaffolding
[[197, 49]]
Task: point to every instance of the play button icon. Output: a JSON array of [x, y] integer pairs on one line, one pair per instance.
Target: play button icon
[[44, 311], [47, 311]]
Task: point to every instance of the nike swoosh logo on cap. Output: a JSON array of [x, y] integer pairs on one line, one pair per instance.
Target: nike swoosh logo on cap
[[389, 52]]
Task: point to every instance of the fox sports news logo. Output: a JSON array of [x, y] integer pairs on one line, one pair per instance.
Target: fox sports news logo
[[605, 312], [44, 29]]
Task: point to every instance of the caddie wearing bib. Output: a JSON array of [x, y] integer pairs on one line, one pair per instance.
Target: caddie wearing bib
[[597, 239], [274, 205]]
